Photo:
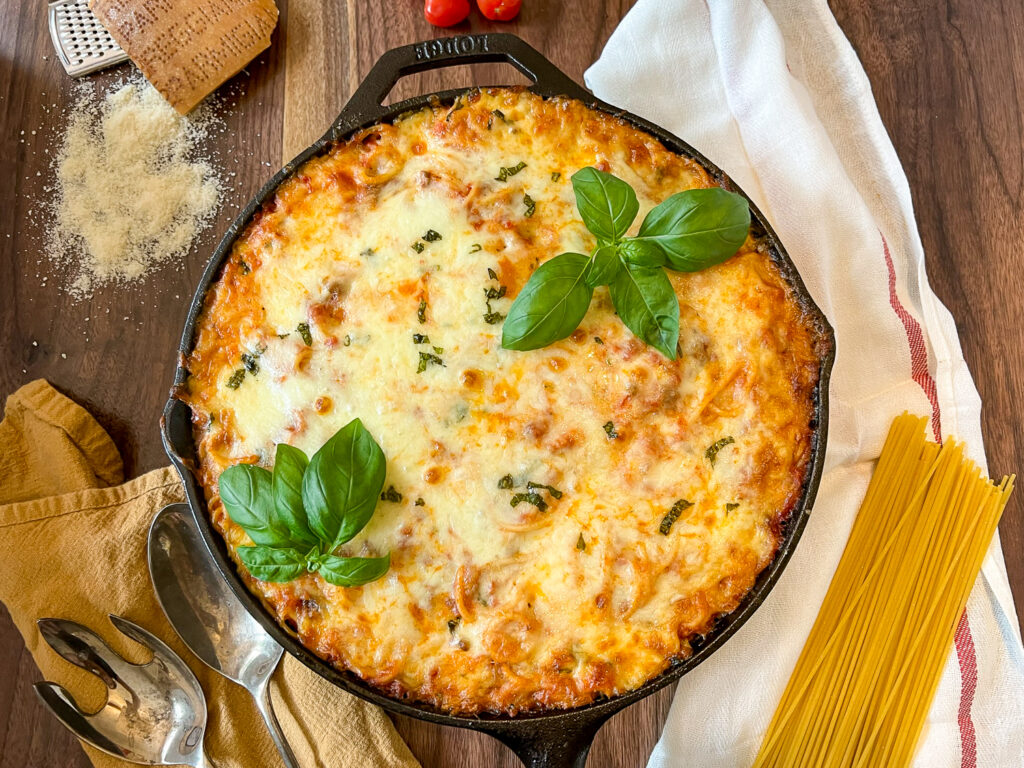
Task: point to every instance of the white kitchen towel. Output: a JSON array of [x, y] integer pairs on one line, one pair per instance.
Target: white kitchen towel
[[772, 92]]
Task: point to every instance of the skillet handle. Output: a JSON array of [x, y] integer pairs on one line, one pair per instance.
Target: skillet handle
[[543, 743], [176, 436], [365, 104]]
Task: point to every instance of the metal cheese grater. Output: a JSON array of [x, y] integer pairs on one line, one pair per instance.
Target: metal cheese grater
[[82, 43]]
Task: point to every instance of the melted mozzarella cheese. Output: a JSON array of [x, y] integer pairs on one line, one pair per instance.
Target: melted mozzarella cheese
[[490, 606]]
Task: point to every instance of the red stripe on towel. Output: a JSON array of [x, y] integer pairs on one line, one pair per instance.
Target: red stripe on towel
[[918, 351], [968, 685], [964, 640]]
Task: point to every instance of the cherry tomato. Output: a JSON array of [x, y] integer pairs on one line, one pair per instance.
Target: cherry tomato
[[499, 10], [445, 13]]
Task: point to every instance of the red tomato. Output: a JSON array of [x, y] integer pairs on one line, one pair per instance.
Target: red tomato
[[499, 10], [445, 13]]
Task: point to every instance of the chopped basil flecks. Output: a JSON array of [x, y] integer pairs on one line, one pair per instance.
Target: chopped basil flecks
[[303, 331], [367, 252], [510, 170], [476, 248], [251, 361], [432, 236], [491, 317], [428, 359], [730, 507], [421, 313], [391, 495], [453, 624], [236, 379], [609, 429], [581, 544], [420, 338], [419, 502], [555, 176], [496, 113], [505, 483], [531, 206], [455, 108], [531, 498], [553, 491], [246, 269], [418, 246], [673, 514], [712, 452], [439, 350]]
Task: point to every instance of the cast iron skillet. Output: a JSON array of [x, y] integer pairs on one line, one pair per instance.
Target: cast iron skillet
[[559, 738]]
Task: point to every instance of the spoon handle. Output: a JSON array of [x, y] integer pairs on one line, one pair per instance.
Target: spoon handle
[[262, 698]]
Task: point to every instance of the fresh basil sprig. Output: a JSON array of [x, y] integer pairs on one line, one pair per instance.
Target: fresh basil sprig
[[689, 231], [555, 297], [299, 514], [606, 203]]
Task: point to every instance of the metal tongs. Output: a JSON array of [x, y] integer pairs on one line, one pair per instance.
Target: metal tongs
[[155, 713]]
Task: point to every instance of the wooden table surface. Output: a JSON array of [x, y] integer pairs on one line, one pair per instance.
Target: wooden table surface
[[948, 77]]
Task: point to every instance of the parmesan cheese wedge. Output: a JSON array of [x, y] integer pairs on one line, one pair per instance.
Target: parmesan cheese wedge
[[186, 48]]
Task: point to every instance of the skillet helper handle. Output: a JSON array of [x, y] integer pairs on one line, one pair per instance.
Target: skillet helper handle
[[176, 434], [365, 104], [542, 743]]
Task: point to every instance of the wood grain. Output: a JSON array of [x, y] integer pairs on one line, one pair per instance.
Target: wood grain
[[307, 83], [948, 81]]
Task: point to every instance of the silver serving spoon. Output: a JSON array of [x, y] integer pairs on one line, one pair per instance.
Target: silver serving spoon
[[155, 713], [208, 617]]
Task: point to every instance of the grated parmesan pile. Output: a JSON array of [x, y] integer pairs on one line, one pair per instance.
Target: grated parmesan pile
[[131, 191]]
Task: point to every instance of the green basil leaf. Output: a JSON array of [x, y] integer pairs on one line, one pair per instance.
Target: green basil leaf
[[271, 564], [342, 484], [647, 304], [643, 253], [697, 228], [551, 304], [606, 203], [604, 267], [353, 571], [246, 493], [289, 465]]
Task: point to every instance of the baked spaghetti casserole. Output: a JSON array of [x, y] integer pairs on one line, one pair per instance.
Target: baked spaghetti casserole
[[562, 522]]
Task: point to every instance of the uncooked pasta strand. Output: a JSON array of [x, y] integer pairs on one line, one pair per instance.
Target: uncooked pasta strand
[[864, 682]]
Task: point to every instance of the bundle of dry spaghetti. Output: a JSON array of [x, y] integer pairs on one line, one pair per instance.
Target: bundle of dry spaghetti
[[865, 680]]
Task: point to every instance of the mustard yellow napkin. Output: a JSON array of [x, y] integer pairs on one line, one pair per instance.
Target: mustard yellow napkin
[[73, 546]]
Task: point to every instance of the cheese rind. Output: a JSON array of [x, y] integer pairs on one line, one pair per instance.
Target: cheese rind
[[490, 606]]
